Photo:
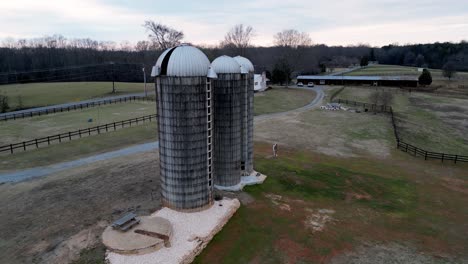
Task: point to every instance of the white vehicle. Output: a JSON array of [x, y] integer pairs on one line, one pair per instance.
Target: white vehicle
[[310, 84], [300, 84]]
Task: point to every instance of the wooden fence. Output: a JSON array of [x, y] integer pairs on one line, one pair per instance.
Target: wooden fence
[[401, 145], [38, 142], [77, 106]]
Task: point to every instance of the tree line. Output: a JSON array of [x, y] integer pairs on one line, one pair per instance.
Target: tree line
[[51, 58]]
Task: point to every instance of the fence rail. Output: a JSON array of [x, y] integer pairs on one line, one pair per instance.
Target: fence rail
[[401, 145], [38, 142], [77, 106]]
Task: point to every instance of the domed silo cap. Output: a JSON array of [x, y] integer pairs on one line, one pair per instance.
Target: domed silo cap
[[226, 64], [245, 63], [182, 61]]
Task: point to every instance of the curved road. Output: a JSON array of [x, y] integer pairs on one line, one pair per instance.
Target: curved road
[[46, 170]]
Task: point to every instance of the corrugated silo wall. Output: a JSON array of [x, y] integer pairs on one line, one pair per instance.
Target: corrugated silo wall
[[227, 91], [244, 119], [250, 124], [182, 125]]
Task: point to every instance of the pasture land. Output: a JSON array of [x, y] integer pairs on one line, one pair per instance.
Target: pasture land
[[339, 192], [335, 133], [312, 208], [79, 148], [42, 126], [431, 122], [43, 94], [276, 100], [281, 99]]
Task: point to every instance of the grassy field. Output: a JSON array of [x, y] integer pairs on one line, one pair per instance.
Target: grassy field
[[458, 86], [79, 148], [281, 99], [389, 70], [314, 208], [337, 185], [41, 126], [42, 94], [276, 100], [430, 122]]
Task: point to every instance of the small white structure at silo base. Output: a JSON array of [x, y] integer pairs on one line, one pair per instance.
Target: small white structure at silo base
[[191, 234], [252, 179]]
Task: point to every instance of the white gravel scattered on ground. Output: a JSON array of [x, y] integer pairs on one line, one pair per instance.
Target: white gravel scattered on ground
[[192, 232], [317, 219], [252, 179]]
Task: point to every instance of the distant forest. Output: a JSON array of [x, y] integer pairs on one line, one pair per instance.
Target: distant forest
[[55, 59]]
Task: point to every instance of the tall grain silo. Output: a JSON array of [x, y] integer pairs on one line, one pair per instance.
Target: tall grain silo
[[227, 94], [247, 114], [184, 106]]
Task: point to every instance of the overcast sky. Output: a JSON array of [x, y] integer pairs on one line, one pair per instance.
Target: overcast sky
[[332, 22]]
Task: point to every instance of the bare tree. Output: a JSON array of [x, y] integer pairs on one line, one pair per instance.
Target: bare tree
[[448, 70], [239, 37], [292, 38], [162, 36], [381, 97]]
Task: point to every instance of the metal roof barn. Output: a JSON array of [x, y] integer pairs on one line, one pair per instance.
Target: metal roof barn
[[404, 81], [184, 106], [247, 113], [227, 92]]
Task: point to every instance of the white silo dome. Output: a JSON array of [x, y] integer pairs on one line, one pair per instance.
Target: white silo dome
[[183, 61], [245, 63], [225, 64]]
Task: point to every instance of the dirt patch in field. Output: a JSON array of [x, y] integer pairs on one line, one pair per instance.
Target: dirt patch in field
[[389, 253], [457, 185], [49, 220], [318, 218]]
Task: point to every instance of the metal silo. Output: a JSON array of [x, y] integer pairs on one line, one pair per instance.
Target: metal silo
[[247, 114], [227, 94], [184, 105]]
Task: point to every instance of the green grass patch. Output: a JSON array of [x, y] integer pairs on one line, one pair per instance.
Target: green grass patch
[[290, 176], [42, 94], [281, 99], [41, 126], [79, 148]]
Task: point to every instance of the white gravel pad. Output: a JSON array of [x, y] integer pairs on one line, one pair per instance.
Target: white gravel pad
[[191, 234], [252, 179]]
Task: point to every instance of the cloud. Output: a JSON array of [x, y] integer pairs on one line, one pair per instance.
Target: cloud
[[206, 21]]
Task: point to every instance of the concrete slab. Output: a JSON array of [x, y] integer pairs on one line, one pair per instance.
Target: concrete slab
[[151, 234], [252, 179], [191, 234]]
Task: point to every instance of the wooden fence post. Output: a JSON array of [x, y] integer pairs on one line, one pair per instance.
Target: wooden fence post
[[69, 136], [11, 148], [37, 146], [456, 158], [425, 155], [443, 156], [24, 145]]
